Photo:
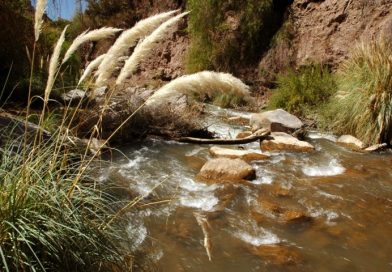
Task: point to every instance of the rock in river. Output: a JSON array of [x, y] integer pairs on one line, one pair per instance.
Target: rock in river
[[235, 153], [224, 169], [276, 121], [351, 142], [285, 142]]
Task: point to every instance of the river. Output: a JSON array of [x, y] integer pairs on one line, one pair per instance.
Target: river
[[343, 199]]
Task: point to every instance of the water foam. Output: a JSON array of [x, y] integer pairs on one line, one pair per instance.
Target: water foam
[[205, 203], [249, 232], [332, 169]]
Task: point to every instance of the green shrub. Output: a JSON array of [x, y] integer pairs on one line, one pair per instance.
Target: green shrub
[[304, 91], [363, 104], [46, 223], [225, 34]]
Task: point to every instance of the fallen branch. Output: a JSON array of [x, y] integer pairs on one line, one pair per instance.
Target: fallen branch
[[202, 221], [250, 139]]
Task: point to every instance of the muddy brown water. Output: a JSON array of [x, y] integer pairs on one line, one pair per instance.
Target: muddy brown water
[[329, 210]]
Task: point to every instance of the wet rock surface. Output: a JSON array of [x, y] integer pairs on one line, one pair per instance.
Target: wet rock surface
[[351, 142], [246, 155], [285, 142], [276, 121], [224, 169]]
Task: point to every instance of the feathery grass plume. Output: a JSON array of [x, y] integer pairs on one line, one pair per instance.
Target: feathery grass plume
[[363, 104], [90, 36], [91, 67], [143, 49], [205, 83], [53, 64], [126, 40], [38, 21]]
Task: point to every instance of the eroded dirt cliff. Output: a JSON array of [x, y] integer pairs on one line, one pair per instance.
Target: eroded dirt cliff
[[324, 31]]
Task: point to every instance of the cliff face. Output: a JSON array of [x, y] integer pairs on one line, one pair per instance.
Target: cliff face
[[324, 31], [313, 31]]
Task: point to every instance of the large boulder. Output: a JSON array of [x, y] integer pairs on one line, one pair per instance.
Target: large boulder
[[224, 169], [246, 155], [276, 121], [74, 96], [285, 142], [351, 142]]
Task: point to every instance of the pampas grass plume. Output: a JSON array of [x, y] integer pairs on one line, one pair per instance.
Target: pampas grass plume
[[90, 36], [38, 20], [205, 82], [126, 40], [53, 64], [91, 67], [144, 48]]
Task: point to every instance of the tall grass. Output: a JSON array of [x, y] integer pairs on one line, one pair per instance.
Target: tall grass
[[91, 67], [127, 40], [303, 92], [38, 19], [144, 48], [89, 36], [54, 65], [42, 227], [363, 104]]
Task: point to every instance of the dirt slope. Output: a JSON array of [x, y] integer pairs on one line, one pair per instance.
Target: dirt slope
[[324, 31]]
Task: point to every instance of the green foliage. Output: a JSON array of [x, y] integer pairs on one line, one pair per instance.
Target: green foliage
[[304, 91], [226, 33], [363, 104]]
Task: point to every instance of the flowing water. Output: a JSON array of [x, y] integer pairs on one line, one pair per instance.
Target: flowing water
[[342, 199]]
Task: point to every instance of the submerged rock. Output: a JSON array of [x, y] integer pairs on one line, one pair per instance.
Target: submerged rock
[[244, 134], [351, 142], [277, 254], [235, 153], [238, 120], [295, 217], [276, 121], [224, 169], [285, 142]]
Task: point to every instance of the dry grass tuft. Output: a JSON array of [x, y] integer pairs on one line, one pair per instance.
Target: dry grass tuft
[[203, 83], [91, 67], [38, 20], [144, 48], [126, 40], [54, 64], [90, 36]]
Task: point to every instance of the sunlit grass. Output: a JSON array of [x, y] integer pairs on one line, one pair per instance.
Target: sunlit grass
[[363, 105]]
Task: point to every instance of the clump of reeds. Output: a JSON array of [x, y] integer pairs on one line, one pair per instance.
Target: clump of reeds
[[127, 40], [203, 83], [42, 227], [363, 104], [144, 48]]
